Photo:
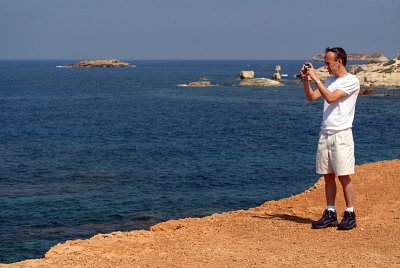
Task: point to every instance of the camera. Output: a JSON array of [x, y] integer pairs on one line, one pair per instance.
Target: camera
[[307, 65]]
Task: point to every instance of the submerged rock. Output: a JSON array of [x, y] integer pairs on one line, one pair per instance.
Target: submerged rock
[[367, 92]]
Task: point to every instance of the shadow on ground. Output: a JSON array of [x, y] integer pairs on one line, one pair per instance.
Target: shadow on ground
[[285, 217]]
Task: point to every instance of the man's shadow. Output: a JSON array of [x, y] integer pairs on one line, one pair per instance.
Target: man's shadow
[[285, 217]]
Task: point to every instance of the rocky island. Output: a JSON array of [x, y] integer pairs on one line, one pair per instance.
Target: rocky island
[[357, 57], [98, 64], [259, 82], [247, 79], [202, 82]]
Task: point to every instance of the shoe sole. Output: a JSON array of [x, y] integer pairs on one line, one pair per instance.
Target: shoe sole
[[331, 224], [346, 228]]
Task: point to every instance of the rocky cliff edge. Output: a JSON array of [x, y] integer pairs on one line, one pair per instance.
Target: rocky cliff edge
[[382, 74]]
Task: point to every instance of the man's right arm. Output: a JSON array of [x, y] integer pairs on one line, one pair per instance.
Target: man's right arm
[[311, 94]]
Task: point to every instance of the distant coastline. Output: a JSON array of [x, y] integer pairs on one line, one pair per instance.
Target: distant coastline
[[357, 57]]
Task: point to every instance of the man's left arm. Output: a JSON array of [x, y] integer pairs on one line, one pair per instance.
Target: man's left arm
[[330, 97]]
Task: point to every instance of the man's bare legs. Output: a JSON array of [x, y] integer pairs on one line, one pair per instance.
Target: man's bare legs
[[348, 190], [330, 189], [329, 217]]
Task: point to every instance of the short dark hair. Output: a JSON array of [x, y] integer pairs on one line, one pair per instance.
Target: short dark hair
[[339, 53]]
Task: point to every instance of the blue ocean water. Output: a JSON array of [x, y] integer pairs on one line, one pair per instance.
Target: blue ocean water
[[86, 151]]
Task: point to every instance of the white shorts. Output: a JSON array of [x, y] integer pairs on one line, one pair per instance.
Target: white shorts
[[335, 153]]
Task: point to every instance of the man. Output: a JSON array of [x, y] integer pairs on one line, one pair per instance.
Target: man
[[335, 154]]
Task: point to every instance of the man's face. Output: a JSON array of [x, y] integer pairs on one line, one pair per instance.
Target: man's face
[[330, 64]]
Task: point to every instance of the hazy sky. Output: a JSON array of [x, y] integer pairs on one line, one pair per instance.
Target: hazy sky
[[195, 29]]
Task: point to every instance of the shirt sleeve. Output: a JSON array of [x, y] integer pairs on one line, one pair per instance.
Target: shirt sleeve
[[350, 85]]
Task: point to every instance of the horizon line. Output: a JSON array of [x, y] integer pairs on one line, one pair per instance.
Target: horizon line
[[126, 59]]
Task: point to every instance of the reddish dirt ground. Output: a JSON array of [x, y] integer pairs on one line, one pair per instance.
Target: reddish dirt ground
[[275, 234]]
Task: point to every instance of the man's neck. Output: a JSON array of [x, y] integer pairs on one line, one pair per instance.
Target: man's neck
[[341, 72]]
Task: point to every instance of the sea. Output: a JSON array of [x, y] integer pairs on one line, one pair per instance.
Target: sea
[[88, 151]]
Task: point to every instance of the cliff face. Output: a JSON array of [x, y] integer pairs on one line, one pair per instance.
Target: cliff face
[[357, 57]]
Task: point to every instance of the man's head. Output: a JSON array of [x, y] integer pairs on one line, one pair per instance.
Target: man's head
[[335, 60]]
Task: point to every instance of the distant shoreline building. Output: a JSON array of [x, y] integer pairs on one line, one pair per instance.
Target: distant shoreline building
[[356, 57]]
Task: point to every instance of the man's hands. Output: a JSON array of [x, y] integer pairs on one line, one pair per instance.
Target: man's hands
[[321, 90], [308, 71]]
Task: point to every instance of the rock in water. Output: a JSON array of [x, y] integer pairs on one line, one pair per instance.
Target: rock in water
[[260, 82], [246, 74], [367, 92], [200, 84], [277, 74]]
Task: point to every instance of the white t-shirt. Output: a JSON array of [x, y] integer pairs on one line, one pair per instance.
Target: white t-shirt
[[339, 115]]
